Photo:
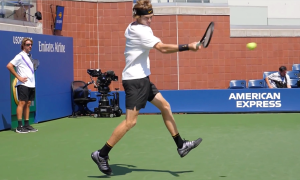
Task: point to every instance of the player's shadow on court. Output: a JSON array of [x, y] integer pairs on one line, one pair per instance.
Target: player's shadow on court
[[123, 169]]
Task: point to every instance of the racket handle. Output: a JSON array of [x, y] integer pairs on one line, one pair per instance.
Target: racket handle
[[198, 44]]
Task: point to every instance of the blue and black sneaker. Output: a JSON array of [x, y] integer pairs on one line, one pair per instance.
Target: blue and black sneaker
[[188, 146], [102, 163]]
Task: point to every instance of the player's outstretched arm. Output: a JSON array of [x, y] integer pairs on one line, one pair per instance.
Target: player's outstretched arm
[[171, 48]]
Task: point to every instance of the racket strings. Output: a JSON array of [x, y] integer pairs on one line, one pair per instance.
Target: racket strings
[[207, 37]]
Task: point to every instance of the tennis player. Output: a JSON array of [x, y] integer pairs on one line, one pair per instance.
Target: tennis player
[[138, 87]]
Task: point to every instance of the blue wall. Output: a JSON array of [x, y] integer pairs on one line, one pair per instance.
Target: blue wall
[[224, 101], [53, 77]]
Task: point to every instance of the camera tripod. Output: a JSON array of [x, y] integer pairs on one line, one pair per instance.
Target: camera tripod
[[108, 108]]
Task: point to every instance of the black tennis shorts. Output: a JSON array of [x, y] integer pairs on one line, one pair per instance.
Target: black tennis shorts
[[25, 93], [138, 92]]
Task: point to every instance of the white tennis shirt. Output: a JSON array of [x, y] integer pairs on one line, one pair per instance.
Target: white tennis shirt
[[277, 77], [23, 69], [139, 41]]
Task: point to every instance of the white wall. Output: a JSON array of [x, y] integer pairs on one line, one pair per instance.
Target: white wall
[[219, 1], [276, 8], [243, 15], [284, 21]]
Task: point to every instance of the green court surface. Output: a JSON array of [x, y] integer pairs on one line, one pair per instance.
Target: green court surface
[[234, 147]]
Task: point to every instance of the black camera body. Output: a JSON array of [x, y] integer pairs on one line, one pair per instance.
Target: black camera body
[[103, 79], [106, 107]]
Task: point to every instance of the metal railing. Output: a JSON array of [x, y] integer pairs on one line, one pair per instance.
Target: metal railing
[[21, 10], [178, 1]]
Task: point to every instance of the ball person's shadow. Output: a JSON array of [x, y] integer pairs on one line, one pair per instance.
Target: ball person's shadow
[[122, 169]]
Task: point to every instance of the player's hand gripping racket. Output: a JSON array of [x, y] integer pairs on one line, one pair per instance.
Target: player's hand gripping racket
[[207, 36]]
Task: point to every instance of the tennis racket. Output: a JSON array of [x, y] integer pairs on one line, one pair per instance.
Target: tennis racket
[[204, 42]]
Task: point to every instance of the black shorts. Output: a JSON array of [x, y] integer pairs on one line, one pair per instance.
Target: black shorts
[[25, 93], [138, 92]]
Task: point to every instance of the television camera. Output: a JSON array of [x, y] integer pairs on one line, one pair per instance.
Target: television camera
[[106, 107]]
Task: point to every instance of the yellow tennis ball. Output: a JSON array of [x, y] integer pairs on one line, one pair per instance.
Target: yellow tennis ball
[[251, 45]]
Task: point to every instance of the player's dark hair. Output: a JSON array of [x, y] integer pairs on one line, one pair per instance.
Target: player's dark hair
[[140, 6], [282, 68]]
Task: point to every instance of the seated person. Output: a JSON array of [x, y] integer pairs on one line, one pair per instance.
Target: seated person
[[279, 79]]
